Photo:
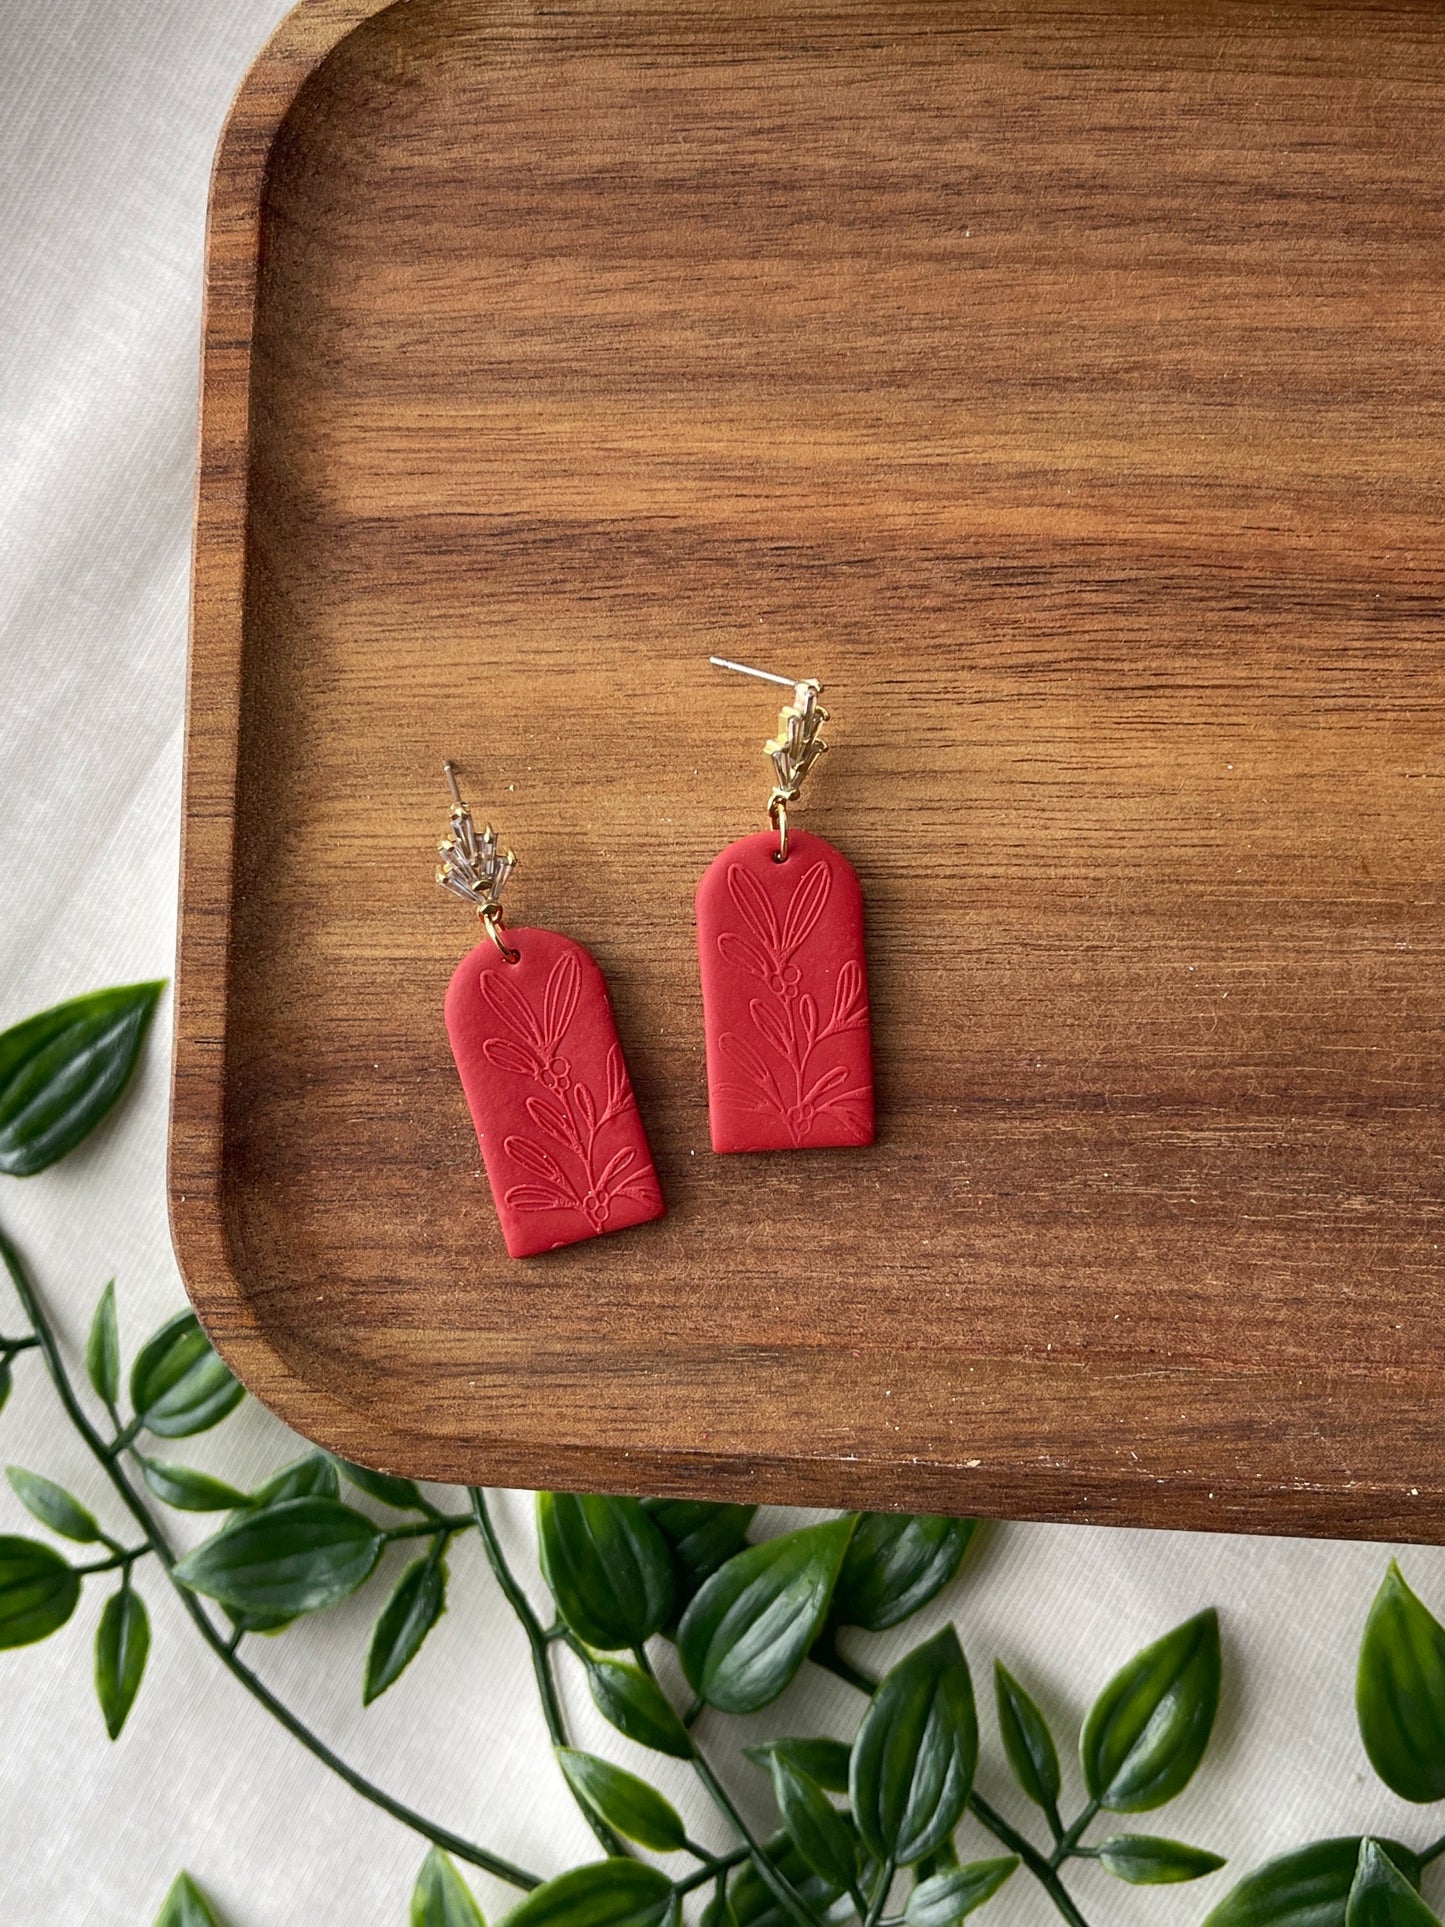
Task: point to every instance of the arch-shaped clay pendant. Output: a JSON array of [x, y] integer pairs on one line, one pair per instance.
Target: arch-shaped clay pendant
[[536, 1045], [785, 997]]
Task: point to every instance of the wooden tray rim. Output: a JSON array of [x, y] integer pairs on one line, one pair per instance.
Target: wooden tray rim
[[299, 45]]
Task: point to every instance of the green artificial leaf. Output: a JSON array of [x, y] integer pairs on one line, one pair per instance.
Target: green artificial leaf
[[628, 1805], [400, 1494], [1146, 1861], [102, 1348], [267, 1623], [313, 1477], [1400, 1692], [297, 1557], [637, 1706], [1381, 1896], [1308, 1888], [608, 1566], [38, 1591], [441, 1898], [605, 1893], [749, 1628], [754, 1904], [178, 1385], [1027, 1741], [915, 1753], [62, 1070], [404, 1622], [719, 1910], [187, 1490], [943, 1859], [187, 1906], [52, 1505], [1148, 1729], [825, 1761], [896, 1562], [820, 1832], [946, 1897], [701, 1536], [122, 1641]]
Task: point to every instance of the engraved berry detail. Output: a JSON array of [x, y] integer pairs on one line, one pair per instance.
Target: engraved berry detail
[[544, 1075], [785, 997]]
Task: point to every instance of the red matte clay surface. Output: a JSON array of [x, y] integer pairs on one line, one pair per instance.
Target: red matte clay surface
[[785, 997], [545, 1078]]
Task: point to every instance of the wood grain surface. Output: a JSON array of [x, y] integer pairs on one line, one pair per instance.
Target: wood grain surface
[[1061, 385]]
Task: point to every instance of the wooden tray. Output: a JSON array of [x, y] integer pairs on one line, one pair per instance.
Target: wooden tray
[[1064, 387]]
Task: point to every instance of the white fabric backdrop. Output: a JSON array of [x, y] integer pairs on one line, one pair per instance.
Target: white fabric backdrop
[[109, 112]]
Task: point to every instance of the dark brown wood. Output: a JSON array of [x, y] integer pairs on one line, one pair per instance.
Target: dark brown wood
[[1063, 387]]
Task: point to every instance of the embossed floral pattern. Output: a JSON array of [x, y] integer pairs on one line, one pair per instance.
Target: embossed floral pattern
[[567, 1166], [775, 1062]]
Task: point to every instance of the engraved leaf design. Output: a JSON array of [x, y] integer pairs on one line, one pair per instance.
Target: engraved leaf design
[[772, 1027], [752, 1099], [808, 1019], [752, 900], [533, 1158], [565, 1111], [619, 1162], [619, 1091], [553, 1118], [773, 1059], [738, 949], [513, 1009], [829, 1081], [806, 907], [511, 1057], [559, 1000], [849, 1010], [749, 1062], [534, 1197]]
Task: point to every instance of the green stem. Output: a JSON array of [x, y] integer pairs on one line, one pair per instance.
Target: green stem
[[440, 1523], [781, 1889], [9, 1346], [1433, 1851], [718, 1863], [779, 1885], [1068, 1842], [826, 1655], [158, 1543], [1046, 1876], [122, 1439], [539, 1644], [880, 1899]]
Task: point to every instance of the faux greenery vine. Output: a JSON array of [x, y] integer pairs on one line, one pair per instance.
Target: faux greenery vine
[[890, 1831]]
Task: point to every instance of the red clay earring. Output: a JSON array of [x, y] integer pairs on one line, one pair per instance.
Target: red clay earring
[[784, 984], [533, 1034]]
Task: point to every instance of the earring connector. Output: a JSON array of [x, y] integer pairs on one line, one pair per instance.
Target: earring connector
[[474, 867], [795, 748]]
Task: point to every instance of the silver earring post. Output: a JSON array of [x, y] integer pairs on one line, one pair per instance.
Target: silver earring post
[[763, 675]]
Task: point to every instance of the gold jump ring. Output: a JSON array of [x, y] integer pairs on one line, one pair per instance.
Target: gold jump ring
[[491, 916]]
